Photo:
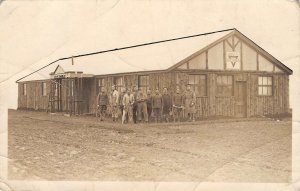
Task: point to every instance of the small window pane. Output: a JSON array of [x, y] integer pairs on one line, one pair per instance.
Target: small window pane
[[263, 80], [224, 85], [198, 84], [101, 82], [265, 85], [143, 82], [119, 81], [265, 90], [260, 79]]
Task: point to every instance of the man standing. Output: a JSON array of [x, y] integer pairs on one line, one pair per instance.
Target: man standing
[[102, 102], [134, 103], [178, 102], [142, 106], [121, 95], [114, 103], [131, 115], [166, 105], [126, 105], [190, 103], [149, 103], [157, 105]]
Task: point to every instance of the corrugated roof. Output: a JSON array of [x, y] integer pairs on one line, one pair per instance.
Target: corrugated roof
[[159, 56]]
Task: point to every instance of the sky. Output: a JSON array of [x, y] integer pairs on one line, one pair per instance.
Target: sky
[[35, 33]]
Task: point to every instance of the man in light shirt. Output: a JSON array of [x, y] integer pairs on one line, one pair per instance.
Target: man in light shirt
[[126, 106], [114, 103]]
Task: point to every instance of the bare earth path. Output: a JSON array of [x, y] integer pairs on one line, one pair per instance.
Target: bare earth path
[[54, 147]]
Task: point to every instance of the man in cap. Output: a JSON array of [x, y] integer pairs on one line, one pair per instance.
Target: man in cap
[[190, 103], [177, 101]]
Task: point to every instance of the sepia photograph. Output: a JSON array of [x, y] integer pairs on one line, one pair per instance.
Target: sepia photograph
[[112, 93]]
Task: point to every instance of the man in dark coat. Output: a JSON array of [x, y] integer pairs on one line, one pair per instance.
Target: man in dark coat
[[149, 103], [190, 103], [142, 106], [166, 104], [134, 103], [102, 102], [178, 102], [156, 105]]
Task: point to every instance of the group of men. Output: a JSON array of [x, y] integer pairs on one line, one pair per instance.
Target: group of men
[[134, 106]]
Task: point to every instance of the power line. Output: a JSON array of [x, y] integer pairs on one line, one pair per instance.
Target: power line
[[126, 47]]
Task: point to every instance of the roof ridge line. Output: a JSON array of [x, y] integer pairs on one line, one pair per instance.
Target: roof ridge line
[[127, 47]]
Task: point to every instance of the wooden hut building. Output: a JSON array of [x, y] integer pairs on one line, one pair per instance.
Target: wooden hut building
[[230, 74]]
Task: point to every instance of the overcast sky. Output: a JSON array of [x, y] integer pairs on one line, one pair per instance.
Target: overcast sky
[[35, 33]]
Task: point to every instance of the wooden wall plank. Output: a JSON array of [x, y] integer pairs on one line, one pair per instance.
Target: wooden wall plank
[[206, 106]]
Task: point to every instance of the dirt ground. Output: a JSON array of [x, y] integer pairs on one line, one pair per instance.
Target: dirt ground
[[56, 147]]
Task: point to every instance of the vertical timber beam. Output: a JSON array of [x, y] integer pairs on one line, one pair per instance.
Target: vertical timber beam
[[224, 55]]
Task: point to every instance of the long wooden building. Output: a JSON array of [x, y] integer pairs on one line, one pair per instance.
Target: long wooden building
[[231, 75]]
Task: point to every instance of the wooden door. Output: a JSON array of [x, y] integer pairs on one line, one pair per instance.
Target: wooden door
[[56, 95], [240, 99]]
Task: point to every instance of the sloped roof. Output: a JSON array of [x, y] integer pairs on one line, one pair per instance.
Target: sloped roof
[[245, 39], [160, 56], [153, 57], [263, 52]]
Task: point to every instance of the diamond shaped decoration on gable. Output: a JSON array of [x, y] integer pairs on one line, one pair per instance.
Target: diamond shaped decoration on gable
[[233, 60]]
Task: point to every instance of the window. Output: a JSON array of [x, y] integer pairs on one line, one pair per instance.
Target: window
[[101, 84], [143, 83], [44, 89], [24, 89], [224, 85], [265, 85], [119, 83], [198, 84]]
